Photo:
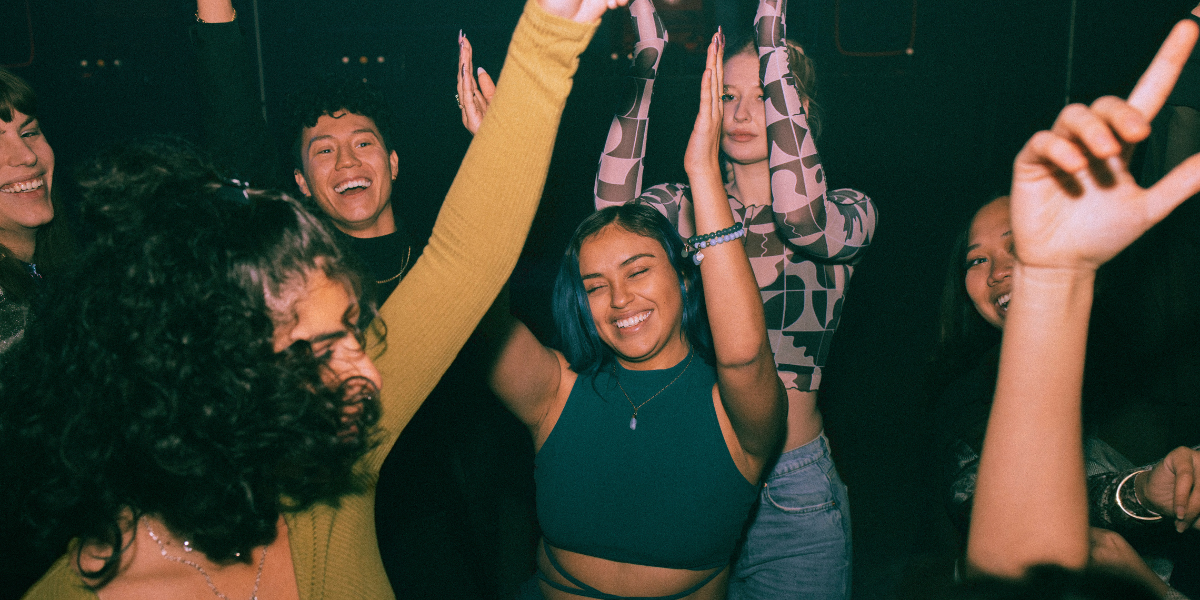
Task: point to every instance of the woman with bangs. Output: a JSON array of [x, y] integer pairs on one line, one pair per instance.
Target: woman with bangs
[[193, 412], [32, 242]]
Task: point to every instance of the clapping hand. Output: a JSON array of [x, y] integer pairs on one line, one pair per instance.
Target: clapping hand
[[705, 144], [1074, 203], [474, 95], [580, 11]]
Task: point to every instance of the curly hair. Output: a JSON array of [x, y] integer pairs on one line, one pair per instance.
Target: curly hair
[[53, 246], [148, 382], [582, 346], [330, 94]]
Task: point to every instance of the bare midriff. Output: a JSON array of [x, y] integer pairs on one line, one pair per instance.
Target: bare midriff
[[804, 419], [624, 579]]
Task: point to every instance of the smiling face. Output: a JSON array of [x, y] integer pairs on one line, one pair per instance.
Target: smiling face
[[322, 313], [634, 296], [744, 135], [349, 172], [989, 261], [26, 172]]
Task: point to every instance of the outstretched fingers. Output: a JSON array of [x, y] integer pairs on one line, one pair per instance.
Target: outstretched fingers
[[1155, 85]]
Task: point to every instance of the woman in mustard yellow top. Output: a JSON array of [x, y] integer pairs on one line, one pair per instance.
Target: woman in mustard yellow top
[[326, 549]]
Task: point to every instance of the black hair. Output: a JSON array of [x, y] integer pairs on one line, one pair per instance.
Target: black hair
[[53, 245], [148, 383], [581, 344], [1052, 582], [330, 94], [964, 337]]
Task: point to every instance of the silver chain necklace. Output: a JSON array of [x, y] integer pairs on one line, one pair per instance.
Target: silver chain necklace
[[262, 560]]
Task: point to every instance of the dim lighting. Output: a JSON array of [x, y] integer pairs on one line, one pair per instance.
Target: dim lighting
[[362, 60], [83, 63], [345, 60], [379, 59], [100, 63], [615, 56], [116, 62]]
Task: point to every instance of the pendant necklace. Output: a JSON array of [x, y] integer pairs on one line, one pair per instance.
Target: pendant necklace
[[636, 407], [187, 547]]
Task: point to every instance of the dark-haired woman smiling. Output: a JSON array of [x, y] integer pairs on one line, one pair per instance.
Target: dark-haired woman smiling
[[650, 442]]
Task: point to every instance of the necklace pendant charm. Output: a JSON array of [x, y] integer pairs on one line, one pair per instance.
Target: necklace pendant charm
[[633, 422]]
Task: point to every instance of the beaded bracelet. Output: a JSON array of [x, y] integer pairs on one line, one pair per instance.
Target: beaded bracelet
[[1136, 504], [696, 239], [697, 242]]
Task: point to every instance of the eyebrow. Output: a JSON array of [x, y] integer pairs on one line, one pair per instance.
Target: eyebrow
[[24, 123], [624, 263], [356, 131], [974, 246], [325, 337]]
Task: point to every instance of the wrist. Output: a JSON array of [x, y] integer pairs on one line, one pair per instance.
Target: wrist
[[224, 14], [1129, 494]]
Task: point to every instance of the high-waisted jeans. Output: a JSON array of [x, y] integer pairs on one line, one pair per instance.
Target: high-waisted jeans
[[798, 544]]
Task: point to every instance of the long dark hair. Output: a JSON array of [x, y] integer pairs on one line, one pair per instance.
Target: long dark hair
[[53, 245], [963, 335], [148, 382], [581, 345]]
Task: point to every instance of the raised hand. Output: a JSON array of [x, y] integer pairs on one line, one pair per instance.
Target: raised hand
[[580, 11], [1170, 488], [1074, 203], [215, 11], [474, 96], [703, 149]]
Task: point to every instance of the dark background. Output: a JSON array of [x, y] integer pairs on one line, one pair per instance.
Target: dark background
[[928, 134]]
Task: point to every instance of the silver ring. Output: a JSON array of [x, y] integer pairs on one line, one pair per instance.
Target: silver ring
[[458, 102]]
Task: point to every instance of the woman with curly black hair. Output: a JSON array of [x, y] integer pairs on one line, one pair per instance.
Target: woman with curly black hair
[[195, 411]]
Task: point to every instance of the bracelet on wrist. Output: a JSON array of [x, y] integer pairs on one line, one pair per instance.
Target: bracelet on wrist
[[1130, 504], [694, 244], [199, 20]]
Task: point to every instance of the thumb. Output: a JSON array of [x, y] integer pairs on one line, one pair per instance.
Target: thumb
[[1180, 184], [487, 87]]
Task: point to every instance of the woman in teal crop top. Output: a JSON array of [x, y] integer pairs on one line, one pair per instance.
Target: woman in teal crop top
[[637, 419]]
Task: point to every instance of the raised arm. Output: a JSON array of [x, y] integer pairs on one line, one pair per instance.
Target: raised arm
[[750, 389], [619, 176], [490, 205], [825, 225], [235, 131], [1074, 206]]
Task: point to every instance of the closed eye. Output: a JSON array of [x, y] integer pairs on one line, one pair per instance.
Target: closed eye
[[971, 262]]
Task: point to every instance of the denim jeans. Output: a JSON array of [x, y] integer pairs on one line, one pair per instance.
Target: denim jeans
[[798, 544]]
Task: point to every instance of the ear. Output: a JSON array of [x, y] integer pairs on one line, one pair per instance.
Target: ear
[[394, 161], [301, 182]]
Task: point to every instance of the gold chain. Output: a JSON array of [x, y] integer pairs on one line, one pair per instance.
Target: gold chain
[[402, 268]]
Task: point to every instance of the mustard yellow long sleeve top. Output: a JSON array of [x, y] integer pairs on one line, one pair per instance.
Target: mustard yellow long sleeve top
[[474, 247]]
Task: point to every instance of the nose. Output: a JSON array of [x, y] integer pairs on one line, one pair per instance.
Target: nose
[[1001, 269], [17, 152], [347, 157], [349, 360], [741, 110], [621, 297]]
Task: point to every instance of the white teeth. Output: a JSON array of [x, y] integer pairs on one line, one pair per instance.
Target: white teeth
[[23, 186], [1002, 301], [634, 320], [353, 183]]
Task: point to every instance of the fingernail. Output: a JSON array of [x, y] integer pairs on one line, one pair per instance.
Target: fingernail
[[460, 38], [480, 71], [1180, 526]]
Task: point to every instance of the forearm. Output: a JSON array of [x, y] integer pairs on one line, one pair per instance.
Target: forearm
[[214, 11], [484, 221], [619, 175], [818, 224], [1031, 487], [235, 131]]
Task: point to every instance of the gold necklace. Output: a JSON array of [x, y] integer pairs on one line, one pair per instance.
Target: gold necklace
[[636, 407], [402, 268]]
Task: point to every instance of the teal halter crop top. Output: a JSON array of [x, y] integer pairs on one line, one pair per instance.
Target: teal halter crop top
[[664, 494]]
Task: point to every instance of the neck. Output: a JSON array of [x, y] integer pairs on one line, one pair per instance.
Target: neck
[[384, 224], [20, 243], [751, 183]]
